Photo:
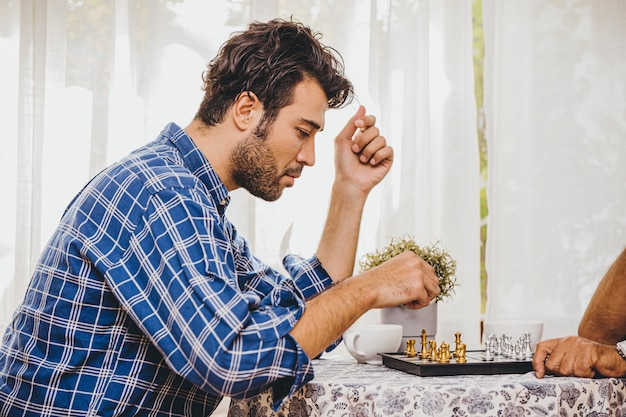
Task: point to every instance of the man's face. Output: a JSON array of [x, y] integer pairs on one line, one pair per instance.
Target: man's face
[[272, 157]]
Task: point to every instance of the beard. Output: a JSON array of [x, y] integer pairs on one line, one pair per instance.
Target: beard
[[254, 166]]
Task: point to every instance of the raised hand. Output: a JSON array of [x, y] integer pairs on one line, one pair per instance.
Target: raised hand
[[362, 156]]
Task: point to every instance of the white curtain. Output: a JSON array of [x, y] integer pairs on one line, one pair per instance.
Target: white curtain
[[428, 102], [84, 82], [555, 99]]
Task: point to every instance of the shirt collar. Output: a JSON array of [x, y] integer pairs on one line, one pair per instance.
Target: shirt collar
[[198, 164]]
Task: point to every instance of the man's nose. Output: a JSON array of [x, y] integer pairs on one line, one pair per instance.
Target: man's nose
[[306, 155]]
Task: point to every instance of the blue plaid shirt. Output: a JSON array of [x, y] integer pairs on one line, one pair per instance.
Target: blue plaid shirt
[[146, 301]]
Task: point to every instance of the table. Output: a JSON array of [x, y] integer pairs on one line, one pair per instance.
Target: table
[[342, 387]]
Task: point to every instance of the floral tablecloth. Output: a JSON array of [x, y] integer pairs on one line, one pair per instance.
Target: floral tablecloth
[[342, 387]]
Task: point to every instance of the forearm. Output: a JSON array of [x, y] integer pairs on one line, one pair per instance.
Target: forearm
[[604, 319], [337, 247], [404, 279], [329, 314]]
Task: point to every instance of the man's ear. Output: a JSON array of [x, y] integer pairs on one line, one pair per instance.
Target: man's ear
[[247, 110]]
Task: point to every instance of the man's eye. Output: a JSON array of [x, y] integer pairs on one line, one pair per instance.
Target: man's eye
[[304, 133]]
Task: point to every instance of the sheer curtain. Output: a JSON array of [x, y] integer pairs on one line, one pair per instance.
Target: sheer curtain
[[555, 98], [84, 82], [428, 102]]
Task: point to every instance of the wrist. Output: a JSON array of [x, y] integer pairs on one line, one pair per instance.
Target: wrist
[[362, 289], [621, 349], [620, 364], [348, 190]]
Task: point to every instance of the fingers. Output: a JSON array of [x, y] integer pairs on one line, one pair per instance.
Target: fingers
[[542, 352], [404, 279], [425, 296], [416, 304], [432, 283], [374, 150], [569, 363], [367, 142], [568, 356], [428, 288], [371, 147], [350, 128]]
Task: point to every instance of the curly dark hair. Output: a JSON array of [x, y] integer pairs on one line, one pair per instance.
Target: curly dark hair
[[270, 59]]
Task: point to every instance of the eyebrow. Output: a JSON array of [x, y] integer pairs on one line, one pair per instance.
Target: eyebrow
[[312, 124]]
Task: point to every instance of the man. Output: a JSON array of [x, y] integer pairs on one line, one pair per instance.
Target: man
[[146, 300], [600, 347]]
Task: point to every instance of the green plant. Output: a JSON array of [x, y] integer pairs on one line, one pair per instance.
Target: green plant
[[437, 257]]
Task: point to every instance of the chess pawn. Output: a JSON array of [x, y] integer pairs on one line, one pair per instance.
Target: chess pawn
[[509, 347], [444, 353], [487, 356], [433, 351], [518, 351], [410, 348], [497, 347]]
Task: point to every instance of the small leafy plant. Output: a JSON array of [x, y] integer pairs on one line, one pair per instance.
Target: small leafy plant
[[434, 255]]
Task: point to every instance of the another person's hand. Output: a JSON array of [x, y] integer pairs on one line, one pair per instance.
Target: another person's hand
[[577, 356], [362, 156]]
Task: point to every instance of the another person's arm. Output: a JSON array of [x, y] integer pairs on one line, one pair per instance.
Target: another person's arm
[[602, 326], [577, 356], [605, 317]]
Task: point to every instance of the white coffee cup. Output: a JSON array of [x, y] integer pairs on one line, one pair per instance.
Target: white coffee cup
[[364, 342]]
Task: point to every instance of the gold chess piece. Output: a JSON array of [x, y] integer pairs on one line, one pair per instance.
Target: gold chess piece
[[458, 342], [460, 357], [444, 353], [424, 351], [432, 351], [410, 348]]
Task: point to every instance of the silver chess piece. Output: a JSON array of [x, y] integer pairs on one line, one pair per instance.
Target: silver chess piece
[[528, 350], [488, 355]]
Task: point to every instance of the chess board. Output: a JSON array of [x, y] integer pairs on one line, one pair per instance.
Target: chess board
[[475, 365]]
